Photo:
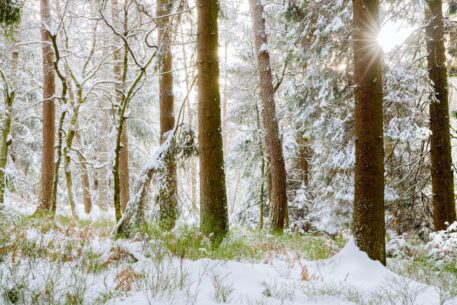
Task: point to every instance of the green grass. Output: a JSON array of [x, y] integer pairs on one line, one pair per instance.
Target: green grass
[[241, 244], [424, 268]]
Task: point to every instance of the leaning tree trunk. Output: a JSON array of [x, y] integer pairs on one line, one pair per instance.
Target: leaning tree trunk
[[168, 197], [278, 204], [48, 133], [213, 197], [442, 175], [368, 216]]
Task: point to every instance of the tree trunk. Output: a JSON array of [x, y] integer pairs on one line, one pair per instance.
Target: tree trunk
[[103, 187], [303, 158], [213, 197], [121, 172], [85, 180], [442, 175], [48, 133], [168, 197], [124, 177], [193, 163], [225, 99], [262, 169], [103, 171], [368, 216], [278, 203]]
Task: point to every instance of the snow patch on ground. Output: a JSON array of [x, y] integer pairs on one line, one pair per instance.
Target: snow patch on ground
[[284, 279]]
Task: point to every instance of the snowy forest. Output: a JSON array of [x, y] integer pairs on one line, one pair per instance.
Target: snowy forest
[[244, 152]]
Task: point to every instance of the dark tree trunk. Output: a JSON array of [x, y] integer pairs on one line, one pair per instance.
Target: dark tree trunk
[[213, 197], [278, 203], [368, 216], [442, 175]]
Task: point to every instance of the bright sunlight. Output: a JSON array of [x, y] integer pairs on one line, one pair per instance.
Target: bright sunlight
[[393, 34]]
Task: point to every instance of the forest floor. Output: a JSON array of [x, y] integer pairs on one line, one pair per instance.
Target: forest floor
[[60, 261]]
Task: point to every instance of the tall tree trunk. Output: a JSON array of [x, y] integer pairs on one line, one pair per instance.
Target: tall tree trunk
[[278, 205], [368, 223], [121, 181], [124, 177], [213, 196], [168, 197], [48, 134], [442, 174]]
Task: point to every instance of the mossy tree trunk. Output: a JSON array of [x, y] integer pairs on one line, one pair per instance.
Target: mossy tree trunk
[[168, 194], [60, 128]]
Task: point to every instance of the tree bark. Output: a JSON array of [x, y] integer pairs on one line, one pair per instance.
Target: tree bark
[[213, 197], [278, 205], [121, 170], [368, 223], [168, 197], [48, 133], [442, 174]]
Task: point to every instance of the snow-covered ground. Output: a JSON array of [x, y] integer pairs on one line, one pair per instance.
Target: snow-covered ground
[[70, 264], [347, 278]]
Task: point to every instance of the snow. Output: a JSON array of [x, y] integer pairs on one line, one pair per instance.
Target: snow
[[443, 244], [263, 48], [281, 280]]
